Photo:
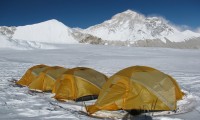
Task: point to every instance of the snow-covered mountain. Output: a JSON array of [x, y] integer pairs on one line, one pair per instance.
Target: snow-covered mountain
[[132, 26], [51, 31], [128, 28]]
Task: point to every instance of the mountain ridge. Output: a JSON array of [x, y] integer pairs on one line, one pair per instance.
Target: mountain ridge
[[130, 25], [51, 30], [128, 28]]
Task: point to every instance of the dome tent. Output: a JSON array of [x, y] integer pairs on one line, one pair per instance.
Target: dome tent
[[138, 88], [46, 79], [31, 74], [79, 84]]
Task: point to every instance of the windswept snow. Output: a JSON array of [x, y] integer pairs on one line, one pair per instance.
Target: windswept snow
[[20, 103]]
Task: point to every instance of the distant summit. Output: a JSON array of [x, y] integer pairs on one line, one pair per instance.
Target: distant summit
[[51, 31], [128, 28], [132, 26]]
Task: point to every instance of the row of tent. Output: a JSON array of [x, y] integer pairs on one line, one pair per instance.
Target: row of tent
[[78, 83], [133, 88]]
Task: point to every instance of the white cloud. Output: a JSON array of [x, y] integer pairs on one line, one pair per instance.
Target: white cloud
[[182, 27], [179, 27], [198, 30]]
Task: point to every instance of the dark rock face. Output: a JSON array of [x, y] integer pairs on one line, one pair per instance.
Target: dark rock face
[[7, 31]]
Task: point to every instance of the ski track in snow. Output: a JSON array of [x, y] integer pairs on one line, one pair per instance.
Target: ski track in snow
[[20, 103]]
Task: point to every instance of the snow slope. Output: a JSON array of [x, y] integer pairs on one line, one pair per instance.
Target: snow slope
[[8, 43], [51, 31], [20, 103], [132, 26], [128, 28]]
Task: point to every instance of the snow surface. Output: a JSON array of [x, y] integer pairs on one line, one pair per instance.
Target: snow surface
[[51, 31], [8, 43], [20, 103]]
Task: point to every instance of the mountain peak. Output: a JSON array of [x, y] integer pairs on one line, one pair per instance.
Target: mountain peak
[[50, 31], [52, 21], [130, 12], [133, 26]]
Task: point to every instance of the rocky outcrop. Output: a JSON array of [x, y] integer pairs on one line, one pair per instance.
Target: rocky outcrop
[[7, 31]]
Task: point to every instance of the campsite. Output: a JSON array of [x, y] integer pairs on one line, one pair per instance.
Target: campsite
[[22, 103], [99, 60]]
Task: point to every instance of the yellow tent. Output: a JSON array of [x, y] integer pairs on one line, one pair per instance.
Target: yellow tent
[[138, 88], [46, 79], [79, 83], [31, 74]]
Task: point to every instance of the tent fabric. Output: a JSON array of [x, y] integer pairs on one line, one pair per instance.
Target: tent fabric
[[46, 79], [79, 82], [31, 74], [138, 88]]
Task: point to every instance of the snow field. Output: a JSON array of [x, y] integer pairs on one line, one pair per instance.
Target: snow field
[[20, 103]]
